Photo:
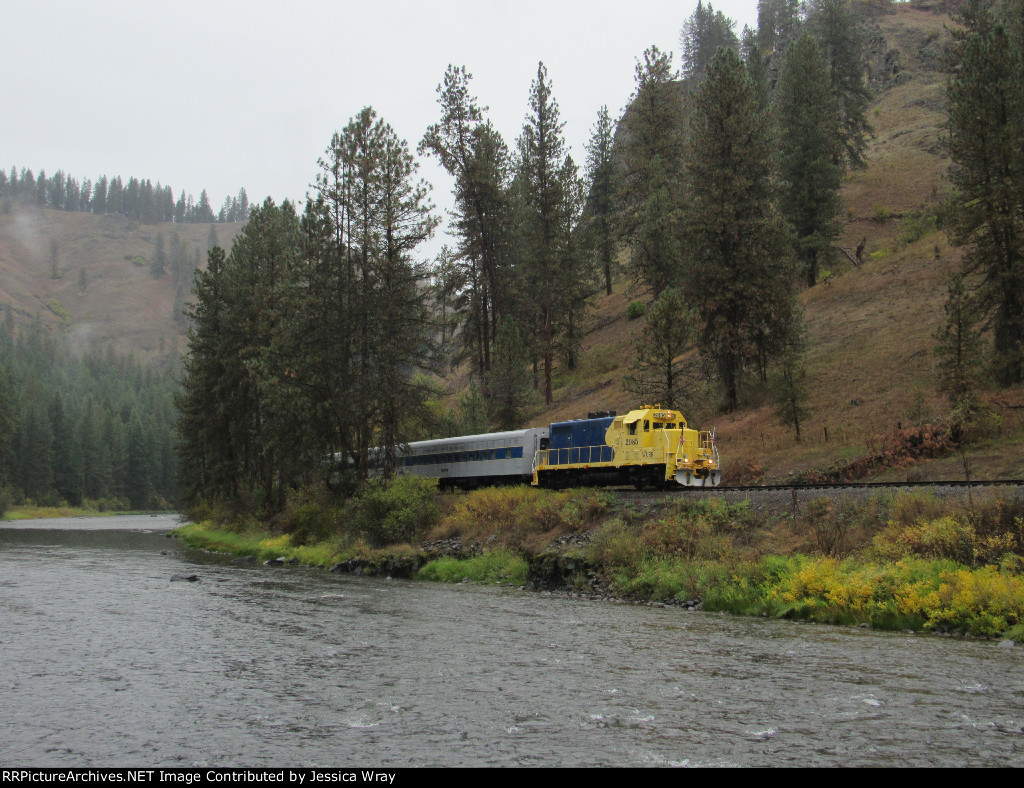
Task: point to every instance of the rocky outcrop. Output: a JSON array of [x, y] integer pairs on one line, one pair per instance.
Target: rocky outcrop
[[391, 566], [554, 572]]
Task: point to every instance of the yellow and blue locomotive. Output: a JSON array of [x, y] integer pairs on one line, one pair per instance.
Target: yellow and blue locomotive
[[648, 447]]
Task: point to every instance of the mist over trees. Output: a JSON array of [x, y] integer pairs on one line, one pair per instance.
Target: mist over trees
[[135, 198], [82, 429]]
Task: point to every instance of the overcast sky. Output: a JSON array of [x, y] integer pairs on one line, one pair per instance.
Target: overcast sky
[[221, 94]]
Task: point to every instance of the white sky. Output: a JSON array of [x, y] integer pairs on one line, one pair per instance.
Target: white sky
[[221, 94]]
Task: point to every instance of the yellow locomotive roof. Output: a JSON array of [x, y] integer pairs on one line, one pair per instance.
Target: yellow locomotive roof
[[653, 412]]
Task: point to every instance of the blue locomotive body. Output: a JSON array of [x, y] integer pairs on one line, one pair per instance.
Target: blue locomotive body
[[579, 441]]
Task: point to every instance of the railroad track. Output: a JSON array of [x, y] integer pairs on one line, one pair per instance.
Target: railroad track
[[864, 485], [793, 495]]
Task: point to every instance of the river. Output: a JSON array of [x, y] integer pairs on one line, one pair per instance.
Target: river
[[107, 662]]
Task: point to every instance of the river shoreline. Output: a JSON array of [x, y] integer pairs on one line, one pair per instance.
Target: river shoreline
[[866, 564]]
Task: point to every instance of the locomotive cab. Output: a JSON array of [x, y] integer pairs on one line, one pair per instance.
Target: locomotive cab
[[660, 445]]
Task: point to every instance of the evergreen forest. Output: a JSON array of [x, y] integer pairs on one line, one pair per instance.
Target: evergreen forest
[[91, 430]]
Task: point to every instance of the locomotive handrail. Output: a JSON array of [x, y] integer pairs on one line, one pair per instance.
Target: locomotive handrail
[[544, 455], [708, 444]]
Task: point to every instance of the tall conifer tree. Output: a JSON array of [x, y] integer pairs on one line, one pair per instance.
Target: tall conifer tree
[[986, 140], [649, 194], [839, 32], [541, 157], [738, 257], [600, 206], [810, 150], [473, 152]]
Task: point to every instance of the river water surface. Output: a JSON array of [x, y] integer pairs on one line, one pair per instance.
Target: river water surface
[[104, 661]]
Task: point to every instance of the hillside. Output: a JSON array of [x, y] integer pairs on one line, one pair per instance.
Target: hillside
[[122, 303], [871, 368]]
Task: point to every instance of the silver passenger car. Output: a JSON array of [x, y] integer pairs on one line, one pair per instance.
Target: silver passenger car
[[472, 460]]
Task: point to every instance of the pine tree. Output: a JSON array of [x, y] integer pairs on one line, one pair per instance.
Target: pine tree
[[778, 23], [757, 67], [99, 196], [34, 443], [42, 189], [600, 207], [810, 149], [447, 286], [509, 377], [473, 152], [72, 194], [958, 343], [204, 211], [67, 453], [8, 413], [838, 31], [703, 34], [669, 330], [115, 196], [738, 258], [139, 470], [788, 384], [55, 272], [649, 193], [406, 221], [207, 461], [576, 262], [986, 140], [132, 198], [365, 295], [159, 265], [56, 191], [548, 278], [261, 265]]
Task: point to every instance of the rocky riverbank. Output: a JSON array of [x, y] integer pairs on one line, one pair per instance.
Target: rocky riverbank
[[910, 561]]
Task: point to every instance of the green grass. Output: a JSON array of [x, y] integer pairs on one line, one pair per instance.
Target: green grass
[[261, 545], [48, 512], [492, 568]]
